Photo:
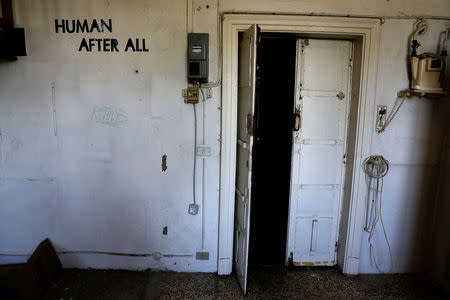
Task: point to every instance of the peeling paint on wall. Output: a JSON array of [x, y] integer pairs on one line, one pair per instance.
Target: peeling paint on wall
[[164, 163]]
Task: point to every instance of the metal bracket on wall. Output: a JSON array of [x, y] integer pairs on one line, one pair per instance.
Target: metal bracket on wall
[[381, 117]]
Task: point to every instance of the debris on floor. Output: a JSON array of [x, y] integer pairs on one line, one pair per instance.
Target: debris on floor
[[265, 283], [30, 280]]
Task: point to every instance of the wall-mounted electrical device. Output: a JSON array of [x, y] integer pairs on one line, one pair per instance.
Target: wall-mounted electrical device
[[427, 74], [426, 71], [197, 65], [198, 62], [192, 95], [427, 68]]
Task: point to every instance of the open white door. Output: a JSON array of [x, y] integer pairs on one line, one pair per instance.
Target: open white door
[[318, 159], [245, 124]]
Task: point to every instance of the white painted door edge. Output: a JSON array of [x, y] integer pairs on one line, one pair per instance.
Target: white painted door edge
[[368, 30]]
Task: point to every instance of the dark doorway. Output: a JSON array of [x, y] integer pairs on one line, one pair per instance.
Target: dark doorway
[[272, 151]]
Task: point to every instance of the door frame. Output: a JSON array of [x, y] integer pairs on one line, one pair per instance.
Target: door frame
[[364, 30]]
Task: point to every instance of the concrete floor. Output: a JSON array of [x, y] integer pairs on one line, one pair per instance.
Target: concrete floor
[[300, 283]]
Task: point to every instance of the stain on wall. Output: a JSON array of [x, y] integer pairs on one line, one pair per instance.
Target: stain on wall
[[164, 163]]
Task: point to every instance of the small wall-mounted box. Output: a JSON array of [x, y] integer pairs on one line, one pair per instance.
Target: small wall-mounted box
[[192, 95], [198, 62], [426, 73]]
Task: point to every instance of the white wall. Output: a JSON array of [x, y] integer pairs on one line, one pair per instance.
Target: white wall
[[412, 143], [96, 187]]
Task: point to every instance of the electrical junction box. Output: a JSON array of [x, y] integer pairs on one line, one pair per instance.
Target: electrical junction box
[[198, 62], [192, 95]]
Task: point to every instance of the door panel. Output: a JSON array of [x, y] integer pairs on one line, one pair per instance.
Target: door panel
[[314, 241], [246, 110], [318, 164], [316, 202], [322, 98], [324, 70], [325, 122]]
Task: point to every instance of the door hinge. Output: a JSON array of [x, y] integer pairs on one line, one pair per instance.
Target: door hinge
[[344, 159], [336, 246]]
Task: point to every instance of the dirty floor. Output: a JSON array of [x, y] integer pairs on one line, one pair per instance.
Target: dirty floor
[[273, 283]]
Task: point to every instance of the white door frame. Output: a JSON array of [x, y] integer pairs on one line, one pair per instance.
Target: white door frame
[[368, 30]]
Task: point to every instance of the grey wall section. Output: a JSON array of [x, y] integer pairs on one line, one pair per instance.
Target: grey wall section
[[94, 186]]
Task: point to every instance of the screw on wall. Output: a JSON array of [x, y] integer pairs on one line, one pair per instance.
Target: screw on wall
[[164, 163]]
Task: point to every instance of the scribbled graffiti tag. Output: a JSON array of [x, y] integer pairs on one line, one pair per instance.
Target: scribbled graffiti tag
[[108, 115]]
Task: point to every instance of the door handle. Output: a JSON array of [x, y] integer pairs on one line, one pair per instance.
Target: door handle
[[313, 246], [297, 121]]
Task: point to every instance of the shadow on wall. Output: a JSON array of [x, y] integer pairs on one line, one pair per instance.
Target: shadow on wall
[[427, 226], [431, 230], [440, 247]]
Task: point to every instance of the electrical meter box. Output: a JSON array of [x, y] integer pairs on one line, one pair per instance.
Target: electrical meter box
[[198, 62], [426, 72]]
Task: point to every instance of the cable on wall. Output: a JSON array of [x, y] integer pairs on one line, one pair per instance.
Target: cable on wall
[[203, 165], [103, 253], [195, 156], [393, 113], [376, 167], [193, 207]]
